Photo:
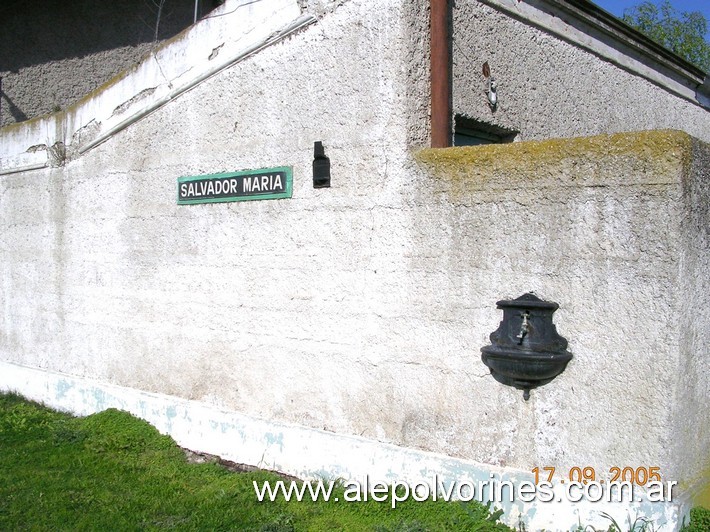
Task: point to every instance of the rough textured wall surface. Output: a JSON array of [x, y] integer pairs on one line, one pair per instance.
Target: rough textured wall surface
[[52, 53], [550, 88], [693, 376], [595, 225], [238, 308], [361, 309]]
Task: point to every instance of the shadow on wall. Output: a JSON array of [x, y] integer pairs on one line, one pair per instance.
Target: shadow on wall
[[15, 111], [39, 31], [68, 36]]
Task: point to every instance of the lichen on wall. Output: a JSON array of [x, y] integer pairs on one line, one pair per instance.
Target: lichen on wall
[[654, 155]]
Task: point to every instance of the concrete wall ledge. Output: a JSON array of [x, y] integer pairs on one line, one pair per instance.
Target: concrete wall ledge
[[623, 159]]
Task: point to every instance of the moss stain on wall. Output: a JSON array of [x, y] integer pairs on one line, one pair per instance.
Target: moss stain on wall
[[647, 157]]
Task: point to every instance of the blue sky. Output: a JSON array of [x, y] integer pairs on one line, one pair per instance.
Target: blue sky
[[617, 7]]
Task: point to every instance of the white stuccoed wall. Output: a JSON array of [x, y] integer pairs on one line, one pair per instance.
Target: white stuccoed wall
[[353, 316], [561, 82]]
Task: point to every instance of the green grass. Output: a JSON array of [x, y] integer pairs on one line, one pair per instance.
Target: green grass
[[112, 471], [699, 520]]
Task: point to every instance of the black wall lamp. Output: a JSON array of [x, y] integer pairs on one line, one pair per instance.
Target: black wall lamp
[[526, 351], [321, 166]]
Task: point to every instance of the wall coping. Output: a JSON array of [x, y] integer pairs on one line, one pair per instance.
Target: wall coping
[[656, 157]]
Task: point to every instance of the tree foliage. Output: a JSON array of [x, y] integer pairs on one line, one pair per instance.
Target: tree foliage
[[680, 32]]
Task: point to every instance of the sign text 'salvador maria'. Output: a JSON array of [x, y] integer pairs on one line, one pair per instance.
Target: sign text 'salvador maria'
[[265, 183]]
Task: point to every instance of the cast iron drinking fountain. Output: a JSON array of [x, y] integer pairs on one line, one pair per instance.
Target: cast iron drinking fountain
[[526, 351]]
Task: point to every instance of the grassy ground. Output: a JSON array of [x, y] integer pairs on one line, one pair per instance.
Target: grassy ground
[[113, 471], [699, 520]]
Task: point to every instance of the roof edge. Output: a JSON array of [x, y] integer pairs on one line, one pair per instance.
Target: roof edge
[[584, 24], [615, 27]]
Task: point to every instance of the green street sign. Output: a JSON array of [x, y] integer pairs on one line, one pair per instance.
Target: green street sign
[[265, 183]]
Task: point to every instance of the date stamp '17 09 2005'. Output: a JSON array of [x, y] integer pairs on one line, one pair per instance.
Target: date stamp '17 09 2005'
[[639, 476]]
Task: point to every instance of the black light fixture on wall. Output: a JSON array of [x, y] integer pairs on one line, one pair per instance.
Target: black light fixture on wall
[[321, 166]]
